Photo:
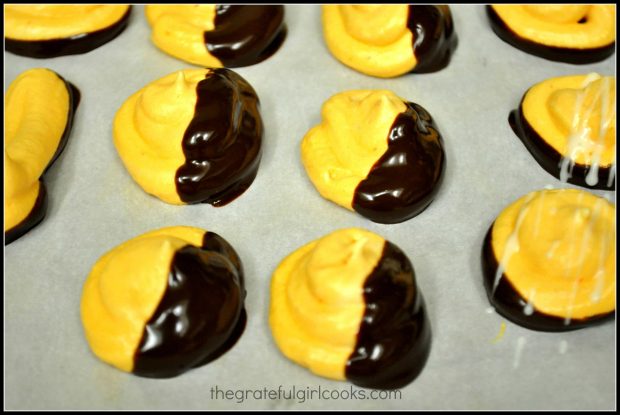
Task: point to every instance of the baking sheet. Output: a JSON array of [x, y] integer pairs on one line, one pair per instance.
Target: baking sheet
[[95, 205]]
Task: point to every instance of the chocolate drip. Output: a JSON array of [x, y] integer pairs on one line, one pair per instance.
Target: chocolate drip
[[245, 35], [39, 209], [394, 339], [434, 38], [73, 45], [509, 303], [406, 178], [552, 53], [201, 314], [550, 159], [222, 144]]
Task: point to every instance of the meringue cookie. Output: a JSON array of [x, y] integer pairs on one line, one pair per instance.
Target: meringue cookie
[[549, 260], [193, 136], [164, 302], [376, 154], [39, 110], [217, 35], [347, 306], [47, 31], [568, 124], [577, 33], [390, 40]]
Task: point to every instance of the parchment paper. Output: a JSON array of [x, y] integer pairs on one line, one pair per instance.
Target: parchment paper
[[95, 205]]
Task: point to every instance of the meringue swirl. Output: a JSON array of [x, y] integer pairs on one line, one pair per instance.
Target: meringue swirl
[[217, 35], [347, 307], [376, 154], [577, 34], [39, 106], [390, 40], [164, 302], [569, 125], [193, 136], [317, 300], [45, 31], [550, 260]]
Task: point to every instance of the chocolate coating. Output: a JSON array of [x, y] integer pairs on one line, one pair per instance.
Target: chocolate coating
[[39, 209], [510, 304], [549, 158], [552, 53], [404, 181], [394, 339], [201, 314], [33, 218], [245, 35], [73, 45], [222, 144], [434, 38]]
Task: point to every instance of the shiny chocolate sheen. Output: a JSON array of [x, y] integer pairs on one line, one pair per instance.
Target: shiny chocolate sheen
[[201, 314], [434, 38], [39, 209], [406, 178], [510, 304], [552, 53], [245, 35], [550, 159], [222, 144], [394, 339], [73, 45]]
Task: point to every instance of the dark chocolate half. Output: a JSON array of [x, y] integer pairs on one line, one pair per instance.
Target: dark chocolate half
[[404, 181], [550, 159], [552, 53], [394, 339], [201, 314], [39, 209], [434, 38], [245, 35], [510, 304], [222, 144], [73, 45]]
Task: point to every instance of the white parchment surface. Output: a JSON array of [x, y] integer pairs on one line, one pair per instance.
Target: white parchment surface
[[95, 205]]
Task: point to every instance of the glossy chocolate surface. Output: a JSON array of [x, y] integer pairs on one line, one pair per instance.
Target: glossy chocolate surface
[[73, 45], [201, 314], [394, 339], [552, 53], [404, 181], [434, 38], [39, 209], [549, 158], [245, 35], [509, 303], [222, 144]]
